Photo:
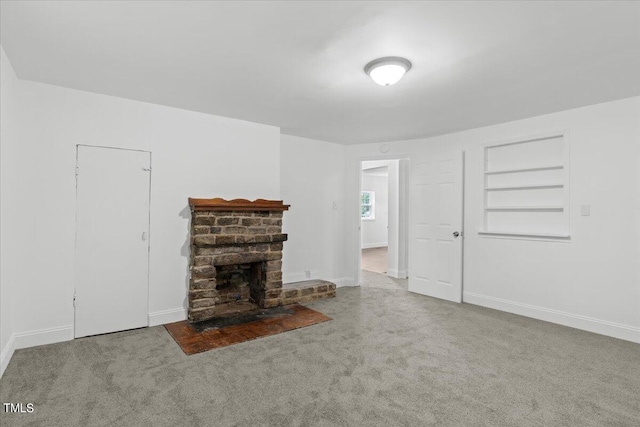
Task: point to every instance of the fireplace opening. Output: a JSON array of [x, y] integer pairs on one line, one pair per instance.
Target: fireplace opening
[[239, 282], [239, 285]]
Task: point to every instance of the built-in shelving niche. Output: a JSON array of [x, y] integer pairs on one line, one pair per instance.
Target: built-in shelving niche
[[526, 188]]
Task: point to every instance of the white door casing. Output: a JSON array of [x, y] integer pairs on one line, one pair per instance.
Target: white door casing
[[435, 254], [112, 240]]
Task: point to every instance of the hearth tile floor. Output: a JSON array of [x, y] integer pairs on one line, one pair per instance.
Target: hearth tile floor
[[288, 318]]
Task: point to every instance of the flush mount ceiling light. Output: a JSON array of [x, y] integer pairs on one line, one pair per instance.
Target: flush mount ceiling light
[[388, 70]]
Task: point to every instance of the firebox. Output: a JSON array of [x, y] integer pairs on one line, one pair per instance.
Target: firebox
[[239, 282]]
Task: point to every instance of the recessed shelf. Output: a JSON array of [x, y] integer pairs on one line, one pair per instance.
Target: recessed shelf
[[526, 184], [524, 187], [524, 234], [536, 169], [525, 208]]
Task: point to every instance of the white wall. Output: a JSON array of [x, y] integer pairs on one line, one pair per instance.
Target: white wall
[[591, 282], [14, 225], [375, 231], [193, 154], [312, 178]]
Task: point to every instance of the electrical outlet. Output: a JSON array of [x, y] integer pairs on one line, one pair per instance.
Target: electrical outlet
[[335, 205], [307, 274], [585, 210]]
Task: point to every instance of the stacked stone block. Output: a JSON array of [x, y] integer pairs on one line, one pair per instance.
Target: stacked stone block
[[307, 291]]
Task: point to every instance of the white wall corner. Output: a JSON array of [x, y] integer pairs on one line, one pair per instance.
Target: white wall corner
[[7, 354], [43, 336], [602, 327], [167, 316]]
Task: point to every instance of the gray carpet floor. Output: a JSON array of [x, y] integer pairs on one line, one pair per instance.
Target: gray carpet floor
[[388, 358]]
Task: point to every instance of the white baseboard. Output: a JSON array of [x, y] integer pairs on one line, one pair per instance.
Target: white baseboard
[[298, 277], [344, 281], [374, 245], [398, 274], [44, 336], [31, 339], [7, 354], [167, 316], [603, 327]]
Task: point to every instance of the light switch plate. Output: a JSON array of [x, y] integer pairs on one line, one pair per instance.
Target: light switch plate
[[585, 210]]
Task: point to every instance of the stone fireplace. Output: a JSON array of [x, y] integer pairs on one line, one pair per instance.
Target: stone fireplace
[[236, 256]]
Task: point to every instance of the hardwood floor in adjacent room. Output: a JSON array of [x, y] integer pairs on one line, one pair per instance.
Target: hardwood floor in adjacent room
[[375, 259]]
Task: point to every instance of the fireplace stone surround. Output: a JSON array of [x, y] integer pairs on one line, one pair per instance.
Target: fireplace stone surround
[[239, 242]]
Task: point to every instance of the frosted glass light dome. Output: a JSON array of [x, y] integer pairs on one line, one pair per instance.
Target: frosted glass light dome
[[387, 71]]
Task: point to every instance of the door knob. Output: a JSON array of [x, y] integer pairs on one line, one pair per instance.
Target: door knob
[[456, 234]]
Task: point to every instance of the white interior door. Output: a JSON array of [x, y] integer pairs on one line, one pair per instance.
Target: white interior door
[[112, 249], [435, 255]]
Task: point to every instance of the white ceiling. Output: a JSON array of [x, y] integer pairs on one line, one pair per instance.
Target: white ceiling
[[299, 65]]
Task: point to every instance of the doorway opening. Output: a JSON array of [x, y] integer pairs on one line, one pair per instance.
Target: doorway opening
[[383, 218]]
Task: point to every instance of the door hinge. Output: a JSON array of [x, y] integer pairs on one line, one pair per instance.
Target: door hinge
[[74, 300], [76, 170]]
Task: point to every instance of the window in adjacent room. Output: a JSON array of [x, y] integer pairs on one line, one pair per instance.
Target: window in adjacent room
[[368, 205]]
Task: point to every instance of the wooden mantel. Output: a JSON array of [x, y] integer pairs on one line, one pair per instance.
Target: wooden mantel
[[218, 204]]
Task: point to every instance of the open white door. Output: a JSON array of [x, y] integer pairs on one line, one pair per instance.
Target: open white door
[[435, 254], [112, 249]]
